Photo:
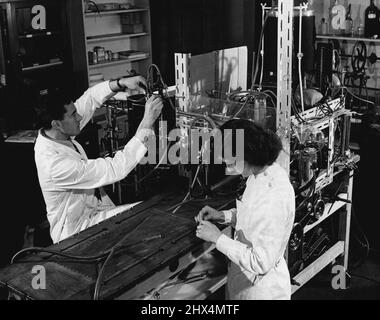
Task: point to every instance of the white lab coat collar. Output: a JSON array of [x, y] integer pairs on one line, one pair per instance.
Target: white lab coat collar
[[64, 146]]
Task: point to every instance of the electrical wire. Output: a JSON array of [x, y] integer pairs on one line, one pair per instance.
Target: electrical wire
[[101, 275], [202, 117], [335, 197], [183, 202], [310, 193], [251, 94], [95, 5], [258, 53], [261, 52], [53, 252], [271, 92], [177, 207], [112, 251], [150, 172], [152, 85], [297, 112], [109, 254], [351, 93]]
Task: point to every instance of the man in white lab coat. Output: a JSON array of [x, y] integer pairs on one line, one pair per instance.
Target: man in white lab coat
[[71, 182], [262, 221]]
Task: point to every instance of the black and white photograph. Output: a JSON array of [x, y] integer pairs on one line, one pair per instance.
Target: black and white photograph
[[189, 155]]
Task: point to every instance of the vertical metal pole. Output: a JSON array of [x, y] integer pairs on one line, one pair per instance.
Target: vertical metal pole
[[182, 81], [299, 56], [262, 48], [182, 78], [284, 79], [348, 219], [345, 224], [330, 165], [3, 58]]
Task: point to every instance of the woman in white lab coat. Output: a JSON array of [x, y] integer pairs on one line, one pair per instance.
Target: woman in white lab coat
[[262, 221]]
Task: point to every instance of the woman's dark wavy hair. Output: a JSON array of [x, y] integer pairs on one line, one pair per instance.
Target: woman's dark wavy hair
[[52, 107], [261, 146]]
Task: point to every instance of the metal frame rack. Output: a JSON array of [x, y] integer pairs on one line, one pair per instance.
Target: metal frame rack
[[338, 253]]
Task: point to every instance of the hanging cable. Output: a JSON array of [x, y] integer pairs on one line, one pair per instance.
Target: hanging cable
[[258, 54], [351, 93], [111, 252]]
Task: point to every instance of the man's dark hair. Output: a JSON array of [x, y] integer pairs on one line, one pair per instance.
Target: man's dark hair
[[52, 107], [261, 146]]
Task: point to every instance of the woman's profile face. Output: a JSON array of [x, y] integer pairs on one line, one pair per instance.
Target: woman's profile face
[[233, 169], [235, 164]]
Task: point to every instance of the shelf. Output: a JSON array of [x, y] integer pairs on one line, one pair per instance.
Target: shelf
[[114, 36], [315, 267], [103, 13], [120, 61], [43, 66], [328, 37], [40, 35], [330, 208]]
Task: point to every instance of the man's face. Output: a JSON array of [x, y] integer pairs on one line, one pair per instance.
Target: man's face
[[71, 121]]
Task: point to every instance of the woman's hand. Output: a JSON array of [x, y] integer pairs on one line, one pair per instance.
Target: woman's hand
[[208, 231], [210, 214]]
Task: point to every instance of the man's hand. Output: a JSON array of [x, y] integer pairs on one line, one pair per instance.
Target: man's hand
[[153, 108], [208, 213], [208, 231], [133, 83]]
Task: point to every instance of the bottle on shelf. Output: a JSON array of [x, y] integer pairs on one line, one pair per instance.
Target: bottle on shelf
[[371, 20], [360, 31], [349, 24], [323, 27]]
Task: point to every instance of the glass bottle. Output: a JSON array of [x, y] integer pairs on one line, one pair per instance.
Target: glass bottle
[[360, 31], [371, 20], [349, 24], [260, 108], [323, 26]]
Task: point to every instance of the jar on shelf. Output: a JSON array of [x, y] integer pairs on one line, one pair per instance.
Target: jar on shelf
[[92, 57], [100, 51]]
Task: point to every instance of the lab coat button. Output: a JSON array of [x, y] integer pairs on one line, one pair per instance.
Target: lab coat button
[[265, 174], [269, 185]]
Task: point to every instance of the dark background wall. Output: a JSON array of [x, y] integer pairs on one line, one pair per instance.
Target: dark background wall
[[200, 26]]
